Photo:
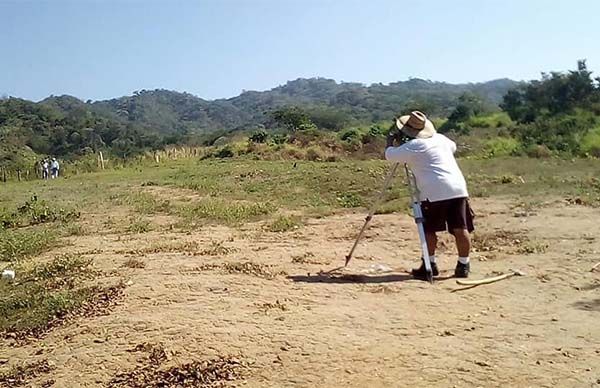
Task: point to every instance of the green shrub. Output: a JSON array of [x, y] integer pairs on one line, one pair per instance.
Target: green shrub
[[21, 243], [224, 152], [314, 154], [538, 151], [350, 135], [560, 133], [44, 294], [279, 138], [284, 224], [502, 146], [590, 143], [349, 200], [259, 136], [34, 212], [139, 226]]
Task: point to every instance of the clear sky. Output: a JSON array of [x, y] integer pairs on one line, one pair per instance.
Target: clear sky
[[96, 49]]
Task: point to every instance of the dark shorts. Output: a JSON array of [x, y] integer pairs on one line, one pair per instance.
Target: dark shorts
[[448, 215]]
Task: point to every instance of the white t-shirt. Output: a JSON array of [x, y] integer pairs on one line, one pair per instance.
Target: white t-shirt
[[432, 161]]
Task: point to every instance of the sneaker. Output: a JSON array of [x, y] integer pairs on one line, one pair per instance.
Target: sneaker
[[421, 273], [462, 270]]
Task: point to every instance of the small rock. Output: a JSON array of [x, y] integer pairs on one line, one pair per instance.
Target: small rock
[[554, 319], [3, 361]]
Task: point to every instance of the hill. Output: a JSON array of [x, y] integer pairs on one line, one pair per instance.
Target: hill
[[165, 111], [66, 126]]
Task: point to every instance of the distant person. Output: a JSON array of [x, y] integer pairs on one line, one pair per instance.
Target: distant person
[[45, 169], [441, 184], [55, 167]]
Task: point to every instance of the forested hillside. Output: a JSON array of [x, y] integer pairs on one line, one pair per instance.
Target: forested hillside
[[66, 126]]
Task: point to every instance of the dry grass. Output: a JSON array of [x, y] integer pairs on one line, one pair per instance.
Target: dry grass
[[246, 268], [21, 375], [134, 263]]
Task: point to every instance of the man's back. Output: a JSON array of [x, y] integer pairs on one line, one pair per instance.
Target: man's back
[[432, 161]]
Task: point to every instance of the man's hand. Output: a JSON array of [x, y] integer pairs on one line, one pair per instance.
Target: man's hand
[[395, 137]]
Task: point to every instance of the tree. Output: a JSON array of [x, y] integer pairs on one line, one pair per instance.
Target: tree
[[468, 105], [557, 111], [292, 118]]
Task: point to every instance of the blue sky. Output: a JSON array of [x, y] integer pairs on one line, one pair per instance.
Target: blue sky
[[216, 48]]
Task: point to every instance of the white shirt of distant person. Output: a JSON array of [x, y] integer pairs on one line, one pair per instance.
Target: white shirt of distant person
[[50, 168]]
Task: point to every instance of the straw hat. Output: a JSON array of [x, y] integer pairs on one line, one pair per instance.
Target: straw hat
[[416, 125]]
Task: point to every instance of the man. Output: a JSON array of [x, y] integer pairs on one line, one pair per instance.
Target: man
[[45, 169], [442, 187], [54, 167]]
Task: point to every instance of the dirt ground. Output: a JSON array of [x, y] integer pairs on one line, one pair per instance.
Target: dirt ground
[[371, 325]]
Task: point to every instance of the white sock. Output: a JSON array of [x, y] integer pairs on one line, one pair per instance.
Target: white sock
[[432, 258], [463, 260]]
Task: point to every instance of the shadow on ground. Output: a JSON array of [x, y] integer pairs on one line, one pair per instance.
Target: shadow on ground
[[355, 278], [588, 305]]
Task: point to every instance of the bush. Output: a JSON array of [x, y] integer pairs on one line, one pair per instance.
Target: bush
[[349, 200], [284, 224], [538, 151], [279, 138], [559, 133], [305, 137], [224, 152], [590, 143], [350, 135], [259, 136], [314, 154], [502, 146]]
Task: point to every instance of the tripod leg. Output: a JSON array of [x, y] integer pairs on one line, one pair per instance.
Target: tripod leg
[[386, 183]]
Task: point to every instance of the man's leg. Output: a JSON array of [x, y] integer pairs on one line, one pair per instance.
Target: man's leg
[[421, 273], [431, 238], [463, 246], [463, 242]]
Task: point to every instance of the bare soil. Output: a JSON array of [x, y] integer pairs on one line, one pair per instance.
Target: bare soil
[[261, 302]]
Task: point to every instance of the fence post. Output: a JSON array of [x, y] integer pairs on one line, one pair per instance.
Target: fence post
[[19, 175]]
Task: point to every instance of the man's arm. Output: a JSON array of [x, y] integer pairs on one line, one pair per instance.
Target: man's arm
[[397, 154]]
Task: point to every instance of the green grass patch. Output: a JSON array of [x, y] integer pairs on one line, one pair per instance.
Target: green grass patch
[[35, 211], [17, 244], [42, 293], [143, 203], [284, 223], [227, 212], [139, 226]]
